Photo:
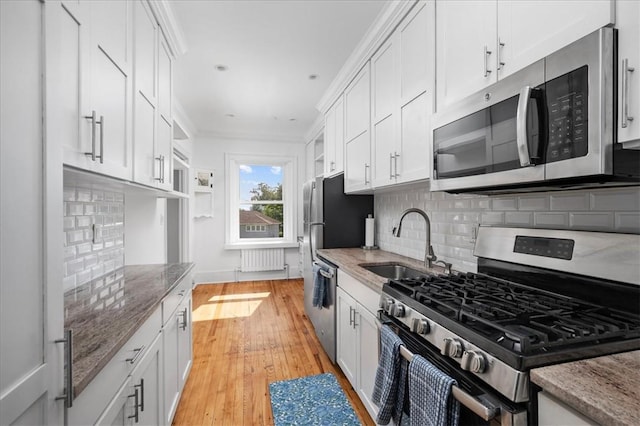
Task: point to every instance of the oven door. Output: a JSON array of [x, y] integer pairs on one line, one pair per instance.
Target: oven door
[[494, 137], [477, 400]]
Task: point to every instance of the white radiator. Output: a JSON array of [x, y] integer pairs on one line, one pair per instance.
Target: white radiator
[[271, 259]]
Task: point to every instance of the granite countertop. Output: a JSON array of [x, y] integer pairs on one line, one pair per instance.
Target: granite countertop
[[106, 312], [605, 389], [350, 259]]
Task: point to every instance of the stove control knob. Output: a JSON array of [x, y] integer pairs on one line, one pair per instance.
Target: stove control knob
[[473, 361], [399, 311], [387, 305], [452, 347], [420, 326]]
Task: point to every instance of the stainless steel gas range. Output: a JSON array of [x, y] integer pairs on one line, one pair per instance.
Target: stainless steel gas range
[[540, 297]]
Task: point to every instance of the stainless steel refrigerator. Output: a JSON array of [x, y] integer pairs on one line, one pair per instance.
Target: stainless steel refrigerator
[[331, 220]]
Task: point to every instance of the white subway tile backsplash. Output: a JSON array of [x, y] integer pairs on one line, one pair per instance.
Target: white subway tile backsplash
[[85, 260], [621, 200], [590, 221], [550, 220], [569, 202], [454, 216]]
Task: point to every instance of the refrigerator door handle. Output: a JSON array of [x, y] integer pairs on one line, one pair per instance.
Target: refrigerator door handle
[[311, 225]]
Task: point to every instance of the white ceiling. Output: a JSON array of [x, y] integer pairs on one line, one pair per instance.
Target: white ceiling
[[270, 47]]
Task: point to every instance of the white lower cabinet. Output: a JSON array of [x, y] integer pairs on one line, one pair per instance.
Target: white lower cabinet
[[357, 331], [142, 383], [554, 412], [177, 342]]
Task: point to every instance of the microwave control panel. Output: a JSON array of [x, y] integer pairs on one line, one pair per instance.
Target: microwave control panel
[[567, 98]]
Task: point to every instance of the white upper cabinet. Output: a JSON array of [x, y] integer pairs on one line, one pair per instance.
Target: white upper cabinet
[[97, 43], [465, 47], [628, 24], [402, 73], [152, 118], [479, 42], [334, 139], [357, 136]]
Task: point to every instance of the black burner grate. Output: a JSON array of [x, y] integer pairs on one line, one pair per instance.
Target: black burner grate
[[519, 318]]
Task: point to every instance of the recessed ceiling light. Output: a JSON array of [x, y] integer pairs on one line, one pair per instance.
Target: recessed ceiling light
[[292, 119], [222, 67], [230, 115], [313, 76]]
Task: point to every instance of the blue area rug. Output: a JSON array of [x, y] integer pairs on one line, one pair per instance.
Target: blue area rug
[[312, 400]]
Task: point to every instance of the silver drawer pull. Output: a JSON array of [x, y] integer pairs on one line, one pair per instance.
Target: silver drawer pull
[[138, 352], [67, 396]]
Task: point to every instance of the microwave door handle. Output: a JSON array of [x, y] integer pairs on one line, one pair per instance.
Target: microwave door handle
[[521, 127]]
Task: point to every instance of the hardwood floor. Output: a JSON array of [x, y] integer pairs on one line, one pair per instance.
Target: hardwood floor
[[246, 335]]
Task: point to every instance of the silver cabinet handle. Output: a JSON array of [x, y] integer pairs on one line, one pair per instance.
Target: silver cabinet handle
[[163, 168], [487, 71], [366, 167], [332, 166], [500, 61], [141, 386], [395, 161], [183, 314], [159, 178], [136, 399], [626, 70], [92, 117], [391, 175], [67, 396], [351, 316], [138, 352], [101, 123], [521, 126]]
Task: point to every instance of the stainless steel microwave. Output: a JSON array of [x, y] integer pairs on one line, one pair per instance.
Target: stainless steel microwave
[[548, 126]]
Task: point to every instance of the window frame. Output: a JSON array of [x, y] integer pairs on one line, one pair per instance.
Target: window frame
[[233, 202]]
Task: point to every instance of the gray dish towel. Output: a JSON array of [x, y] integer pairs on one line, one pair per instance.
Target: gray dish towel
[[319, 287], [388, 391], [430, 398]]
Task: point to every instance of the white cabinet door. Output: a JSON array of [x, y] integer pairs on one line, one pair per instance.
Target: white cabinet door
[[347, 342], [465, 48], [416, 35], [31, 314], [357, 105], [385, 93], [110, 76], [334, 139], [171, 349], [146, 382], [412, 162], [164, 154], [367, 326], [529, 30], [627, 22], [120, 410], [145, 48], [165, 78], [185, 341], [357, 171]]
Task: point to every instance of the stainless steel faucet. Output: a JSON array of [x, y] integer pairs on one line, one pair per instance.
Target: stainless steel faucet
[[429, 256]]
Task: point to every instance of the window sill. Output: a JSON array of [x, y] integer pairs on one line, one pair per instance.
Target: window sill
[[260, 245]]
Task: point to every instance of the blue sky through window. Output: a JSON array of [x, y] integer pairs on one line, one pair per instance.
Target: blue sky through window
[[251, 175]]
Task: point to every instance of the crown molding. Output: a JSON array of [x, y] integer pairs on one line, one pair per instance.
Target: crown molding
[[380, 30], [170, 27]]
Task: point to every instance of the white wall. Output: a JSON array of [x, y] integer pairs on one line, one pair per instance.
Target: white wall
[[145, 229], [453, 217], [213, 262]]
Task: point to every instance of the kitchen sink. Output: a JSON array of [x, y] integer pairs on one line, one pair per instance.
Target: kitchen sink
[[394, 271]]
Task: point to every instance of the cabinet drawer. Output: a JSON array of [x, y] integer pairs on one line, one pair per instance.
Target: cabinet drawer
[[93, 399], [173, 299], [366, 296]]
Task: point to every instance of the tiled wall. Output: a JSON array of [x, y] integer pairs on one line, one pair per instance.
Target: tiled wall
[[89, 258], [453, 217]]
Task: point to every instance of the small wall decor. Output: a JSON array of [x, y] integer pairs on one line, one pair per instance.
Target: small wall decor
[[204, 181]]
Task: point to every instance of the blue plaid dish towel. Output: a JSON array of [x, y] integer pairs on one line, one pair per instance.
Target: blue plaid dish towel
[[319, 287], [430, 398], [388, 391]]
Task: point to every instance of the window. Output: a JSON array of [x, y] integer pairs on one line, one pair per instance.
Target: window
[[261, 199]]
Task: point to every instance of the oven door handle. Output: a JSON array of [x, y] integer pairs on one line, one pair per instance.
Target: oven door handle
[[481, 410]]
